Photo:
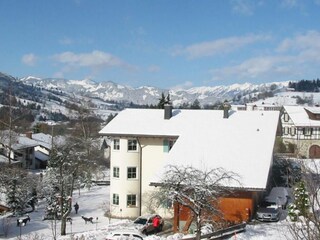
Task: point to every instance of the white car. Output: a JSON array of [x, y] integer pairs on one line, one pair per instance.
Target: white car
[[125, 235]]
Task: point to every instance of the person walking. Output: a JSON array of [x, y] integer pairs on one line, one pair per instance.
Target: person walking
[[76, 207]]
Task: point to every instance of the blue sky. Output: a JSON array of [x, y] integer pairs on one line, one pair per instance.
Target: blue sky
[[162, 43]]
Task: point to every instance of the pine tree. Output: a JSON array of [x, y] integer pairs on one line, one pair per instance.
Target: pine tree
[[300, 206]]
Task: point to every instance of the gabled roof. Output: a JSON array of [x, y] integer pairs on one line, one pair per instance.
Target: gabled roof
[[242, 143], [300, 117], [44, 140], [18, 142]]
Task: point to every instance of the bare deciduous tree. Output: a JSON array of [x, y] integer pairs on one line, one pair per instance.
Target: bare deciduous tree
[[198, 190]]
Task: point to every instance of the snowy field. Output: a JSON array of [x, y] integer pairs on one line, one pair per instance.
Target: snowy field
[[92, 204]]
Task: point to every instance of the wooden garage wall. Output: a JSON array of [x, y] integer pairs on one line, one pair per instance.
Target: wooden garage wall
[[236, 208]]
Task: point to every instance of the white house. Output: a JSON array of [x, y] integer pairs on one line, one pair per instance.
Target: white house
[[144, 141], [301, 126]]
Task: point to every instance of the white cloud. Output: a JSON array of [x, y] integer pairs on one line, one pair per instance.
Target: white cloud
[[153, 68], [255, 68], [243, 7], [66, 41], [29, 59], [292, 58], [220, 46], [95, 60], [306, 42], [289, 3], [185, 85]]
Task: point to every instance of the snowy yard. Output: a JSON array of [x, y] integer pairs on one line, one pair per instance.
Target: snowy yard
[[91, 205]]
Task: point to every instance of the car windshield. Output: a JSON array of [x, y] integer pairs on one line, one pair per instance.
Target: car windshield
[[141, 221], [266, 204]]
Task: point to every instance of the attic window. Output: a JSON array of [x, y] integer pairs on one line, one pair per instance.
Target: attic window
[[286, 117]]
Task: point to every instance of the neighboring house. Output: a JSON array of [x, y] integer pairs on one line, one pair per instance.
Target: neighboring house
[[43, 149], [301, 126], [22, 149], [256, 107], [3, 209], [144, 141]]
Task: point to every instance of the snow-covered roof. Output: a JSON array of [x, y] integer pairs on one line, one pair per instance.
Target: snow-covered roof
[[242, 143], [300, 117], [41, 156], [44, 140], [18, 141]]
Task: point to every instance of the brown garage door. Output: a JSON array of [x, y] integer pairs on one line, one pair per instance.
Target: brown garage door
[[314, 151]]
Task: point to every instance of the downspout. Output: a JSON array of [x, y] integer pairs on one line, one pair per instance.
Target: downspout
[[140, 175]]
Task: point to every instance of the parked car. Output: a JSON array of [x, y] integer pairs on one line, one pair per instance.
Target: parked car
[[278, 196], [268, 213], [270, 209], [125, 235], [145, 224]]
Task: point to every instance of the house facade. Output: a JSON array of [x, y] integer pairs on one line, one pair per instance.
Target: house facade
[[145, 141], [301, 127]]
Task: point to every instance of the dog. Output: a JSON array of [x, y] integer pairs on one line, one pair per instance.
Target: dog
[[23, 220], [69, 219], [87, 219]]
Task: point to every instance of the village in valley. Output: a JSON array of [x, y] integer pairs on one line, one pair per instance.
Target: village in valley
[[207, 173]]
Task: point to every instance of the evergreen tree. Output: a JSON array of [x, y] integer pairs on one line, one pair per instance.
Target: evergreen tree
[[195, 104], [164, 100], [300, 206]]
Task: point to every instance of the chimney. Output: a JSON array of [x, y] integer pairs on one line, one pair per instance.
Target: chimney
[[29, 134], [167, 111], [226, 107]]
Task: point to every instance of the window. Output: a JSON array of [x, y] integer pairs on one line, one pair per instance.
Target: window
[[132, 145], [286, 117], [168, 144], [115, 199], [116, 144], [131, 200], [307, 131], [293, 131], [132, 172], [286, 130], [116, 172]]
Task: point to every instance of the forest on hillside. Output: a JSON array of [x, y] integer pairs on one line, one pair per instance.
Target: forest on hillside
[[305, 85]]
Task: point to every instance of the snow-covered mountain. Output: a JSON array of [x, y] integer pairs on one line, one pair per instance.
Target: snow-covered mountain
[[150, 95]]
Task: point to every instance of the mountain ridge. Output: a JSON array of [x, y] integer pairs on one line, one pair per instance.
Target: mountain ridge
[[149, 94]]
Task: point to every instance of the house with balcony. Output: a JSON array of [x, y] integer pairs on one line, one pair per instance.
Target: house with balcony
[[145, 141], [301, 127]]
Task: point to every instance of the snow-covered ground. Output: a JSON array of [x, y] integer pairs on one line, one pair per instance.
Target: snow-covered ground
[[92, 204]]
